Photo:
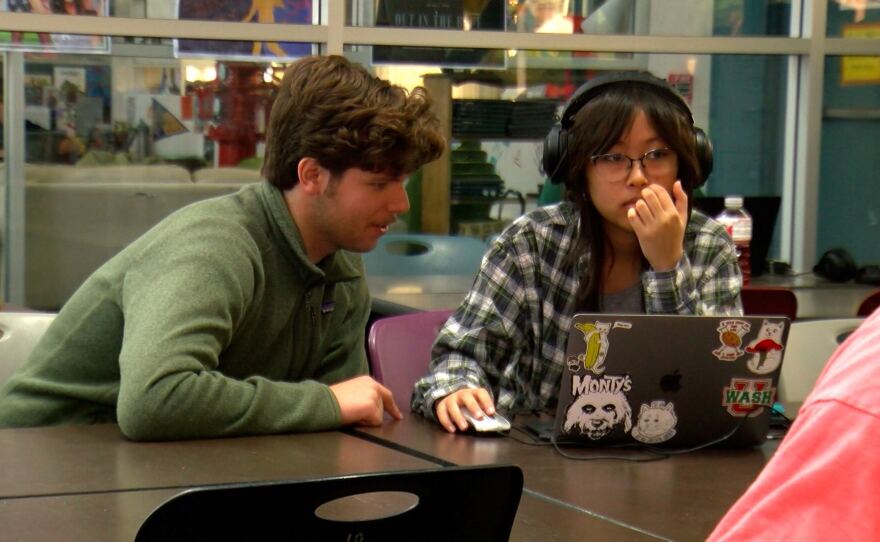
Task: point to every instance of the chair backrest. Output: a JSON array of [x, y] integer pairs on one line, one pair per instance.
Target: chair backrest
[[484, 500], [19, 333], [759, 300], [399, 348], [412, 254], [869, 304], [810, 344]]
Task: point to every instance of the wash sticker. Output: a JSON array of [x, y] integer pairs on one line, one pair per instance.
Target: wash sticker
[[748, 397], [656, 422], [731, 332], [766, 349]]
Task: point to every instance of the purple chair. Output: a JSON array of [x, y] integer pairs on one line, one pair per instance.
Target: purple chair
[[399, 348], [760, 300], [869, 304]]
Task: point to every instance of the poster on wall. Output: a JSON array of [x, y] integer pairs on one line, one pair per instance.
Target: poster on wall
[[248, 11], [59, 43], [860, 70], [441, 15]]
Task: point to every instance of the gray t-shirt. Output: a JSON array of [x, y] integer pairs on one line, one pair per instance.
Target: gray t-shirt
[[628, 301]]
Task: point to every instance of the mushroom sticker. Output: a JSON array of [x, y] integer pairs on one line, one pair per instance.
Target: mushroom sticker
[[766, 349]]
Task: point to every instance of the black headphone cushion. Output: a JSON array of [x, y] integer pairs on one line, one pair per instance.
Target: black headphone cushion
[[705, 158], [837, 265], [553, 156]]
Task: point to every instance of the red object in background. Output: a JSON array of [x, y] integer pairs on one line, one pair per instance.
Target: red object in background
[[204, 92], [186, 107], [242, 96], [683, 83]]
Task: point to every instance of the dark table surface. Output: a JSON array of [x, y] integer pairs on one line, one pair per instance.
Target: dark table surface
[[90, 483], [680, 498]]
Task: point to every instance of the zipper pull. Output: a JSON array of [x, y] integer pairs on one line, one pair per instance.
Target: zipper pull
[[310, 307]]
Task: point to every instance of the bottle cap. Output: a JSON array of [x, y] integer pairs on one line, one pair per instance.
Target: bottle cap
[[733, 202]]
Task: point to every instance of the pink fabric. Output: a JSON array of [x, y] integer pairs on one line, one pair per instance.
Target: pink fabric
[[823, 483]]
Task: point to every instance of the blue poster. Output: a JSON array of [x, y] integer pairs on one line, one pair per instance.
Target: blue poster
[[248, 11]]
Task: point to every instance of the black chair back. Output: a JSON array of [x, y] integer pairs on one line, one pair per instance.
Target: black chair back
[[453, 503]]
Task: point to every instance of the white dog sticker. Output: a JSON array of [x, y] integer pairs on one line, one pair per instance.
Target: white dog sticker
[[597, 414]]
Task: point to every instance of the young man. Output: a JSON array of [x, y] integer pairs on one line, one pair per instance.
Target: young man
[[244, 314]]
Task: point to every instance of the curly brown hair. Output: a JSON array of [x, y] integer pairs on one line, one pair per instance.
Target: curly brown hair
[[335, 111]]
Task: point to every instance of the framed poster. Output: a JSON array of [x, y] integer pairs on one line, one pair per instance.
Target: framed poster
[[441, 15], [860, 70], [248, 11], [59, 43]]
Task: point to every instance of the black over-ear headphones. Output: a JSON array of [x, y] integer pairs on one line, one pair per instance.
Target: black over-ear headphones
[[556, 142], [836, 265]]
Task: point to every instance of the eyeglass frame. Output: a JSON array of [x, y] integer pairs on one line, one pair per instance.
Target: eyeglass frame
[[631, 161]]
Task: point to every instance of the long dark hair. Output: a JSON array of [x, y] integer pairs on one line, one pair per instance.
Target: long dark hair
[[596, 128]]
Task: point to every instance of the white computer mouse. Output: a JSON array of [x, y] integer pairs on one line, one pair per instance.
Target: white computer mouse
[[494, 423]]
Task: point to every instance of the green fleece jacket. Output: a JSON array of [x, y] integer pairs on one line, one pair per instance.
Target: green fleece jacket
[[213, 323]]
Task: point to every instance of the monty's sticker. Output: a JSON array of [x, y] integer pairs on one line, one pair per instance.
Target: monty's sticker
[[747, 397], [599, 407], [604, 384], [731, 332]]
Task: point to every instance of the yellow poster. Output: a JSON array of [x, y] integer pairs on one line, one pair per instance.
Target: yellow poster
[[860, 70]]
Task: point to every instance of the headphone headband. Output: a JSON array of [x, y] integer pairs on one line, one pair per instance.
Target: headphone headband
[[599, 84]]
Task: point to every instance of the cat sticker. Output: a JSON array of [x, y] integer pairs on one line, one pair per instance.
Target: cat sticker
[[656, 422], [766, 349], [731, 332]]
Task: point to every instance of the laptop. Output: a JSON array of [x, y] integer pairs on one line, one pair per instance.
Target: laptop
[[669, 381]]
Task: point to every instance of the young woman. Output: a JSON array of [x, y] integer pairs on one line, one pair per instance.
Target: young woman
[[625, 241]]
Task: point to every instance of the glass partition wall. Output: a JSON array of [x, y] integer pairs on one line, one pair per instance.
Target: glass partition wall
[[115, 118]]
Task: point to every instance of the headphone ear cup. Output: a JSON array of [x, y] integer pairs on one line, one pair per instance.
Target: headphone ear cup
[[703, 147], [553, 159], [837, 265]]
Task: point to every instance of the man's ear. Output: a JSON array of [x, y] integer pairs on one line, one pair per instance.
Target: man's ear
[[313, 177]]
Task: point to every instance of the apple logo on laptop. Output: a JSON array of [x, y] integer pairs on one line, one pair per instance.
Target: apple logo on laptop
[[671, 382]]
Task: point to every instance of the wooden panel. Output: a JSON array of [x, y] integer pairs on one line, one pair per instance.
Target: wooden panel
[[436, 176]]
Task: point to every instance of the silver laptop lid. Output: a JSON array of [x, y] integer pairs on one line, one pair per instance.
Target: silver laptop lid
[[669, 381]]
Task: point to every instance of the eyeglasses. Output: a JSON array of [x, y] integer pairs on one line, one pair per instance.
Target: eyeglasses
[[615, 166]]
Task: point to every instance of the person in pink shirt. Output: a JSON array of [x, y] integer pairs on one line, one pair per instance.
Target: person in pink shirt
[[823, 483]]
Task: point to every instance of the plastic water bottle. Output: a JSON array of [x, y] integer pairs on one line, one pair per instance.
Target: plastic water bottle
[[739, 225]]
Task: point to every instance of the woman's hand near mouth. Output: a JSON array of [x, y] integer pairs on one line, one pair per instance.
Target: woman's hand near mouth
[[659, 221]]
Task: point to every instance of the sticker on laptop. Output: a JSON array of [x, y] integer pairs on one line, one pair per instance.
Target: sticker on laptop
[[596, 346], [601, 409], [748, 397], [656, 422], [730, 333], [766, 349]]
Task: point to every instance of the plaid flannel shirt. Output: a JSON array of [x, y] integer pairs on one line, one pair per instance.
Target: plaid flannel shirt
[[509, 334]]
